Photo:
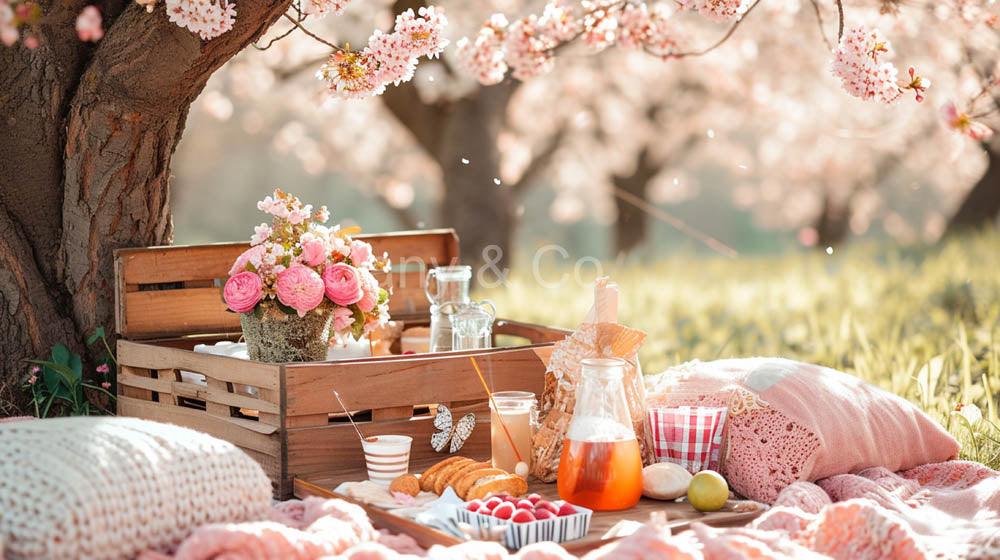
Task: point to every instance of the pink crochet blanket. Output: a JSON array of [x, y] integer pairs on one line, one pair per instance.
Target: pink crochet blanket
[[942, 510]]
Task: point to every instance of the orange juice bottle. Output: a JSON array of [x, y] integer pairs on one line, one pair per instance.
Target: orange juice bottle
[[600, 467]]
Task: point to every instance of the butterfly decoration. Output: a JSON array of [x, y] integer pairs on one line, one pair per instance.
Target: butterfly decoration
[[456, 432]]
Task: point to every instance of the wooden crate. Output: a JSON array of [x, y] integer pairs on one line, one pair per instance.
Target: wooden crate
[[168, 300]]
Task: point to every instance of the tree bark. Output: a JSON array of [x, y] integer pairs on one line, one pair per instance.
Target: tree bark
[[89, 133], [631, 227], [982, 205]]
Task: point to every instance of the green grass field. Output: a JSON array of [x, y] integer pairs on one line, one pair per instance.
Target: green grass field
[[921, 322]]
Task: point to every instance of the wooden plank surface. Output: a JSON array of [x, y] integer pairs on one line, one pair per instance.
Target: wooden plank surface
[[153, 356], [336, 446], [170, 291], [404, 380], [680, 515]]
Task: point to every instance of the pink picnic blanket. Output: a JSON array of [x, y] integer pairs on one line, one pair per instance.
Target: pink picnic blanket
[[937, 511]]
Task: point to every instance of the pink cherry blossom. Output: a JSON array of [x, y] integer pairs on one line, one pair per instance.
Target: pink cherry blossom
[[716, 10], [529, 52], [343, 319], [422, 34], [253, 255], [314, 252], [857, 63], [650, 27], [320, 8], [300, 288], [242, 291], [88, 24], [342, 284], [961, 122], [207, 18], [483, 58], [352, 75]]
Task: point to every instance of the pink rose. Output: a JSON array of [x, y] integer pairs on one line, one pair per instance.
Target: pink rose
[[300, 288], [253, 254], [343, 319], [314, 252], [343, 284], [369, 287], [360, 252], [243, 290]]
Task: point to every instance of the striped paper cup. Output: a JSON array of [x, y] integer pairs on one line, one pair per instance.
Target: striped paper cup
[[387, 457]]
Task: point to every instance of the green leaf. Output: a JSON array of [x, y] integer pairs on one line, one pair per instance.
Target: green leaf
[[60, 354], [58, 378], [286, 260], [98, 334], [358, 328], [76, 365], [287, 310], [383, 295]]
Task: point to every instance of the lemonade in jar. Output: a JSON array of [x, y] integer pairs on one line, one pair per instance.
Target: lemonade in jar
[[600, 467]]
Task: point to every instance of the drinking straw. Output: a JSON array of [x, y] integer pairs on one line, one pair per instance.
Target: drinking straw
[[496, 408], [356, 429]]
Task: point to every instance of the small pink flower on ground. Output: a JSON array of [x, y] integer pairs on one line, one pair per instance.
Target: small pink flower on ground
[[31, 42], [35, 369], [32, 380], [300, 288], [360, 252], [106, 384], [242, 291], [343, 284], [103, 368], [343, 319], [88, 24], [314, 252]]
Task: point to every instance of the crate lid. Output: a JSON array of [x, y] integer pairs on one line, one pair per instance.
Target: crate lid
[[163, 292]]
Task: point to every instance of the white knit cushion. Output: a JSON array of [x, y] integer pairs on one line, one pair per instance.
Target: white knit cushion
[[105, 487]]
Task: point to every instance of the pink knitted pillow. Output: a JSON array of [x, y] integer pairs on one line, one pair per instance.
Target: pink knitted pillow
[[792, 421]]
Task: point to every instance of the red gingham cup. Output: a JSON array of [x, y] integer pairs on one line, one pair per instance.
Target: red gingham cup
[[688, 435]]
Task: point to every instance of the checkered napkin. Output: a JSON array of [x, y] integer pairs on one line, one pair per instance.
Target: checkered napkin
[[688, 435]]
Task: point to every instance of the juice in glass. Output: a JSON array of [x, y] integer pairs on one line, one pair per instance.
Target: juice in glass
[[518, 410]]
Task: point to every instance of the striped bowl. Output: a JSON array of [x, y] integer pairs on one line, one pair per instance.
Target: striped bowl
[[556, 529], [387, 457]]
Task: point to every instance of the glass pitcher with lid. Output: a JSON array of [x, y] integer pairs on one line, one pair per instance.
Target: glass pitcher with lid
[[600, 467], [472, 326]]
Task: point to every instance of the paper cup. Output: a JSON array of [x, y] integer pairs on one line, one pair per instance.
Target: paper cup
[[688, 435], [387, 457]]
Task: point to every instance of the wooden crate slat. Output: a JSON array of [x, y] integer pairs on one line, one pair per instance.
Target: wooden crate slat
[[168, 312], [243, 433], [336, 446], [152, 356], [208, 394], [184, 263], [387, 383], [149, 383]]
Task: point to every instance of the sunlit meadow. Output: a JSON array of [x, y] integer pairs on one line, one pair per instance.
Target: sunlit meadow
[[922, 322]]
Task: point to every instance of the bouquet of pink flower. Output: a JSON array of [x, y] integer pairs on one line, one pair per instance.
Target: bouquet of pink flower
[[300, 264]]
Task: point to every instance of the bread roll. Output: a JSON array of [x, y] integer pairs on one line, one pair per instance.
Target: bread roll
[[665, 481]]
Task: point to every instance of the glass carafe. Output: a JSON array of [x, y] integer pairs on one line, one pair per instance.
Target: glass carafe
[[600, 467], [451, 284]]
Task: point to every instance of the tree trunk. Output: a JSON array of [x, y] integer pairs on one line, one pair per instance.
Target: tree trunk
[[982, 205], [479, 209], [88, 136], [631, 227], [832, 224]]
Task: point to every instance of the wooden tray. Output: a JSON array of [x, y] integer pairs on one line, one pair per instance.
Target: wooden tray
[[680, 515]]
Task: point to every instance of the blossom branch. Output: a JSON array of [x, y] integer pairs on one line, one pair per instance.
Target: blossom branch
[[840, 16], [819, 18], [717, 44], [313, 35]]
